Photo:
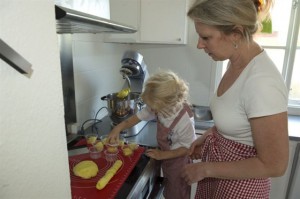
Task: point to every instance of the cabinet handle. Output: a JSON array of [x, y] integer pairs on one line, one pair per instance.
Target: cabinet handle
[[14, 59]]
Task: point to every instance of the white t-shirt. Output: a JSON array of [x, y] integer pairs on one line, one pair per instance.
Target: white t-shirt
[[258, 91], [183, 132]]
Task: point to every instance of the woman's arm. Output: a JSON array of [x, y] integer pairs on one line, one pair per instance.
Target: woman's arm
[[270, 135]]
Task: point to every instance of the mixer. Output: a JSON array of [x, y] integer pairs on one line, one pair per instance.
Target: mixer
[[134, 71]]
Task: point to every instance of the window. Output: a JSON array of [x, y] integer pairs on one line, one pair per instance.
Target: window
[[283, 46]]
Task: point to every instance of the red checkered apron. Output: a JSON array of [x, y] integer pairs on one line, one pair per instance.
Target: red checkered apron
[[217, 148]]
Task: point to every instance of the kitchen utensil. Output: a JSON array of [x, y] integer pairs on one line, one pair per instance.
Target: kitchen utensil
[[134, 70], [122, 108], [91, 139], [202, 113], [121, 142], [111, 156], [94, 153]]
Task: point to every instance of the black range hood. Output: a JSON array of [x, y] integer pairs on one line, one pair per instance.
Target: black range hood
[[72, 21]]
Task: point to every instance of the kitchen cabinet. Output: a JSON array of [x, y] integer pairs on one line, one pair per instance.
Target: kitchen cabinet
[[280, 184], [158, 22], [293, 191]]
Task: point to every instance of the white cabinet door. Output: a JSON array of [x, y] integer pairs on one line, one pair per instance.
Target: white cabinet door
[[279, 185], [157, 21], [163, 21], [294, 181], [127, 12]]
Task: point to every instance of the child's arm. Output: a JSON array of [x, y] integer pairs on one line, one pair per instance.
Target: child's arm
[[113, 136], [163, 155]]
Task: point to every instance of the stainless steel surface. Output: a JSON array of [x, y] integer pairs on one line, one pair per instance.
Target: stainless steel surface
[[202, 113], [14, 59], [134, 67], [147, 136], [78, 151], [203, 125], [122, 108], [72, 21], [203, 117], [144, 133], [146, 181], [134, 131], [66, 62], [292, 191]]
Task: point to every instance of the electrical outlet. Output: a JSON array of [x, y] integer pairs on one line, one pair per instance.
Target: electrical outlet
[[73, 128]]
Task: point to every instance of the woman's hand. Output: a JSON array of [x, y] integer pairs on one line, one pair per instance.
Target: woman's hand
[[192, 173], [195, 148]]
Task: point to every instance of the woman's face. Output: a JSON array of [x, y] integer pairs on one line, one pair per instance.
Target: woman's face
[[215, 43]]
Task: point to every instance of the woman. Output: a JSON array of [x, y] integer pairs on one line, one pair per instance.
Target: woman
[[165, 95], [249, 142]]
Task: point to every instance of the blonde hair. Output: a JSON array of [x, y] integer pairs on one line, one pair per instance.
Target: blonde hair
[[226, 15], [164, 91]]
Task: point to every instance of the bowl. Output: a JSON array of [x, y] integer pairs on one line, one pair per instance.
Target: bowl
[[202, 113], [94, 153], [111, 156]]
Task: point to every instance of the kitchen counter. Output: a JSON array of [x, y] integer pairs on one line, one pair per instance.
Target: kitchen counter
[[294, 127], [136, 176], [147, 136]]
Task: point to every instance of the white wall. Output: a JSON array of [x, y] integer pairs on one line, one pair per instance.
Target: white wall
[[97, 64], [33, 149]]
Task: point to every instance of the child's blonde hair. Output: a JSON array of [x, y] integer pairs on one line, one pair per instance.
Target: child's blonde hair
[[165, 91]]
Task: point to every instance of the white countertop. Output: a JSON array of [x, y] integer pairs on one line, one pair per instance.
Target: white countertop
[[294, 127]]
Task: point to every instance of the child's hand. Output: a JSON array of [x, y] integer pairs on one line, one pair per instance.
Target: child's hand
[[154, 153], [113, 136]]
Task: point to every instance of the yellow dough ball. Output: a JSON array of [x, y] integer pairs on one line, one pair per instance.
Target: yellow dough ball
[[133, 146], [86, 169], [121, 143], [91, 140], [112, 149], [104, 140], [123, 93], [99, 146], [127, 151]]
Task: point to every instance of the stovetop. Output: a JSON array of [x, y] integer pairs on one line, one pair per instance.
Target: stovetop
[[145, 136], [105, 125]]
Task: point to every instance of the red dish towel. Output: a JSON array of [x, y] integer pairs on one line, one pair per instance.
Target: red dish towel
[[86, 188]]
